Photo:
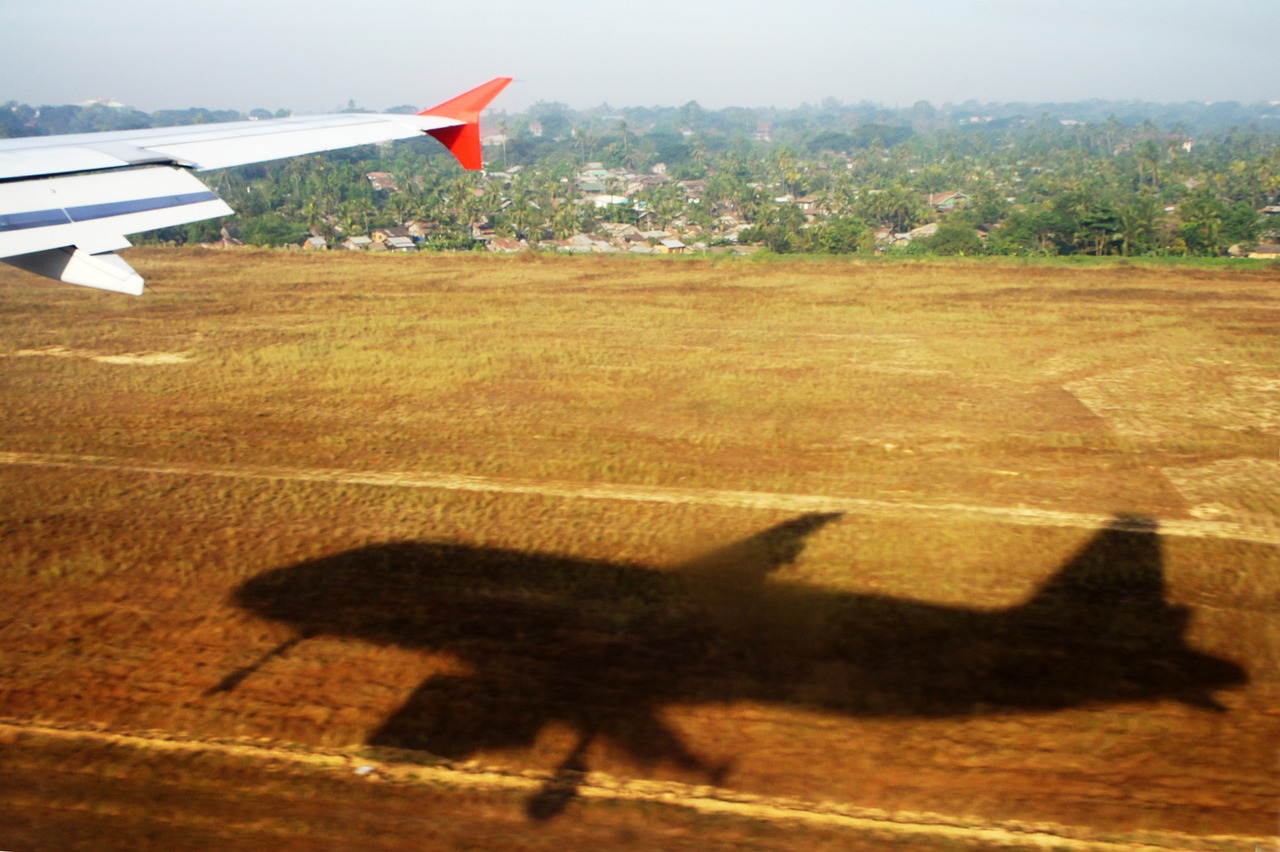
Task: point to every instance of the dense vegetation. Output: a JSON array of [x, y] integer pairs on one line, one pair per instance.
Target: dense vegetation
[[1097, 178]]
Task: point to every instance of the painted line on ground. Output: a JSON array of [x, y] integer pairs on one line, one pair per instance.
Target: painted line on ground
[[765, 500], [703, 799]]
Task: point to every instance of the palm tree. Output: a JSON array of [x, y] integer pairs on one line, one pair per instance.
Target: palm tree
[[314, 213], [523, 213], [899, 206], [1148, 159], [358, 211], [750, 202], [1202, 216], [565, 221], [625, 135], [1136, 222]]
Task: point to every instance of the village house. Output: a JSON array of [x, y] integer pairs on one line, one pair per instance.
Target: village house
[[506, 245], [807, 203], [385, 235], [420, 230], [693, 189], [581, 244], [631, 234], [382, 182], [603, 201], [943, 201], [401, 244], [228, 239]]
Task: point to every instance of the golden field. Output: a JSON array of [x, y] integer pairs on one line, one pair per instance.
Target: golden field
[[786, 531]]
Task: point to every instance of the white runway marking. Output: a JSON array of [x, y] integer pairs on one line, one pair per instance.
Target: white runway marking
[[1194, 528], [902, 825]]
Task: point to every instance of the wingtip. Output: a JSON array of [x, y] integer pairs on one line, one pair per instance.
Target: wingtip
[[467, 106]]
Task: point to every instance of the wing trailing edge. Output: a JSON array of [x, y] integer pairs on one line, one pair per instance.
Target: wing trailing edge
[[67, 228], [107, 271]]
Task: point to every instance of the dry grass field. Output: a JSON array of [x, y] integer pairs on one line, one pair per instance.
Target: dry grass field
[[640, 553]]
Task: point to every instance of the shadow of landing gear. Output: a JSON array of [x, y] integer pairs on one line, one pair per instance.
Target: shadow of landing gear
[[562, 787]]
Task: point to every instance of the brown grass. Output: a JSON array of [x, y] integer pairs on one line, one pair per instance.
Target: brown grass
[[1104, 390]]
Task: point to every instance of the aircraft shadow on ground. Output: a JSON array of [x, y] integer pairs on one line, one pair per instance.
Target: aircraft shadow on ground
[[602, 647]]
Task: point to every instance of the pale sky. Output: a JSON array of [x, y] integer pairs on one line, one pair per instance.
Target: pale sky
[[317, 55]]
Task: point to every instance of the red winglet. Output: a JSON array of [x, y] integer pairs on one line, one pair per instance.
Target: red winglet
[[463, 140]]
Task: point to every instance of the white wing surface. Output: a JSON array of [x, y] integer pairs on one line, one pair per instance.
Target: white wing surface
[[68, 202]]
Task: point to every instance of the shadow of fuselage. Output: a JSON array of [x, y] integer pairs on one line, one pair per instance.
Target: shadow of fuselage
[[601, 646]]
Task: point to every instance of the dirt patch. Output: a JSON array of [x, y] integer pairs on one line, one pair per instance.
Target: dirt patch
[[1160, 400], [1241, 490]]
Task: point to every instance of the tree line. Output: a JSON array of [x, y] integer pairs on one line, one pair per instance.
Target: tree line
[[1096, 178]]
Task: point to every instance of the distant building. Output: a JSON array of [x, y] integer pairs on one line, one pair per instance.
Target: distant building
[[693, 188], [383, 182], [420, 230], [947, 200], [382, 235], [106, 102], [506, 245]]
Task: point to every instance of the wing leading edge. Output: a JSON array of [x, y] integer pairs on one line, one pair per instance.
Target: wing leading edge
[[68, 202]]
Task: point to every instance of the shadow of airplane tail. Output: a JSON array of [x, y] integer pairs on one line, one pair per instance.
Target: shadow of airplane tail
[[1114, 584], [1104, 614]]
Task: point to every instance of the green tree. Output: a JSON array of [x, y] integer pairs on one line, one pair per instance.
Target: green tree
[[1202, 215], [1136, 223], [1098, 225], [1240, 224], [269, 230], [956, 235], [841, 235]]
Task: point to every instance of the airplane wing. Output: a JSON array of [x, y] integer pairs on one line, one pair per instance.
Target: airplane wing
[[68, 202]]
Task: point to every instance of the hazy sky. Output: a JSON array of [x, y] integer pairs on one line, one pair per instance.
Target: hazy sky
[[315, 56]]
